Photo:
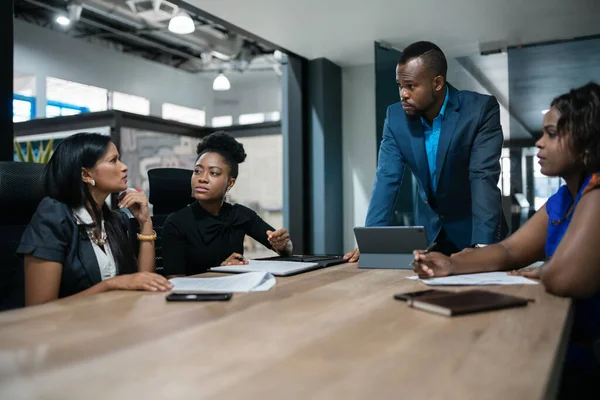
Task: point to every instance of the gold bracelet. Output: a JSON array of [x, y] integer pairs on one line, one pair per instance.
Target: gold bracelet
[[148, 238]]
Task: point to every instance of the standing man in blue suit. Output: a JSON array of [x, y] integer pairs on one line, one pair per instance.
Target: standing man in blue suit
[[451, 140]]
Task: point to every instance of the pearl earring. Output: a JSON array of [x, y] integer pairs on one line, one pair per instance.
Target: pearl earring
[[585, 158], [93, 182]]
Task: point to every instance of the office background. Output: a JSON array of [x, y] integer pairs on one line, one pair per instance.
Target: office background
[[315, 96]]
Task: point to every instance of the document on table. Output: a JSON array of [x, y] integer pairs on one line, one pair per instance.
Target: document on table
[[536, 264], [240, 283], [485, 278]]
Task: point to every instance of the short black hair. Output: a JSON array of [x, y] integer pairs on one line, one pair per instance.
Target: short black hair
[[579, 118], [431, 55], [224, 144]]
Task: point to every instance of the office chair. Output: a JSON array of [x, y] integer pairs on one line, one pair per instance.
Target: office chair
[[170, 191], [21, 190]]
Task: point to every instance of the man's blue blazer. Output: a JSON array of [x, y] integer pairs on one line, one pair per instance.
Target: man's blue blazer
[[466, 200]]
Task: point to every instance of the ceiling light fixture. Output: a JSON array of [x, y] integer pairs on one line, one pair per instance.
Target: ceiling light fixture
[[220, 55], [182, 23], [544, 112], [221, 83], [62, 20]]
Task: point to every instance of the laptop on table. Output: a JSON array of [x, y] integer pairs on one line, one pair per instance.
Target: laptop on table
[[324, 260]]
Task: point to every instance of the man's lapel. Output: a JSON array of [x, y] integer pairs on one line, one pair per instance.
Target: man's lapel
[[449, 123]]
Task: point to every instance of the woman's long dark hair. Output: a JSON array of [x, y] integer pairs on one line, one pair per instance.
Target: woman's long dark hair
[[63, 183]]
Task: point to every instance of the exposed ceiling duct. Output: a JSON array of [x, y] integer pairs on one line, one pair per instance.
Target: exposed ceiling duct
[[227, 47], [153, 10], [141, 27]]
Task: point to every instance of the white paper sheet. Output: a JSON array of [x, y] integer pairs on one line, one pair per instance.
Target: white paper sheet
[[240, 283], [536, 264], [485, 278]]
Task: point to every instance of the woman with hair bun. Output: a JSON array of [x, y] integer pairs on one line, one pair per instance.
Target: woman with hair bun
[[210, 232]]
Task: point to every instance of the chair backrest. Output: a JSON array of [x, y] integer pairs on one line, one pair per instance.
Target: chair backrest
[[170, 189], [21, 190]]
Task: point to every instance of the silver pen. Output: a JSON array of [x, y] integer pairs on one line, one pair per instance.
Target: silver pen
[[427, 250]]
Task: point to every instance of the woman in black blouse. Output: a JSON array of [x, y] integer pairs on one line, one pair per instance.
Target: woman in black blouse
[[210, 232], [75, 245]]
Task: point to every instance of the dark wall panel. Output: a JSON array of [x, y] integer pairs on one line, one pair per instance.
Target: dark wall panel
[[326, 183], [6, 80], [386, 94]]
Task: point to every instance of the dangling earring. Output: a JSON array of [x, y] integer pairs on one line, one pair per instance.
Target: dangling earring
[[93, 182]]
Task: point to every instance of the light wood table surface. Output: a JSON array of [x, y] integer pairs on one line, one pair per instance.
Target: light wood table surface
[[335, 333]]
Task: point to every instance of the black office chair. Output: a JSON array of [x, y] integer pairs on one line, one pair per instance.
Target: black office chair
[[170, 191], [21, 190]]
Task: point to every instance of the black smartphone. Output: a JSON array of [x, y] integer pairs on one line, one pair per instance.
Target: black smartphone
[[199, 296], [412, 295]]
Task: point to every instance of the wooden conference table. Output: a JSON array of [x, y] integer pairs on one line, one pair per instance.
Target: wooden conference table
[[327, 334]]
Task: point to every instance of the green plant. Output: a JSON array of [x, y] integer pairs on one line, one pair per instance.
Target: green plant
[[43, 154]]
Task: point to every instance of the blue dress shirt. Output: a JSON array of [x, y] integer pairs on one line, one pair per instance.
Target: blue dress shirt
[[432, 138]]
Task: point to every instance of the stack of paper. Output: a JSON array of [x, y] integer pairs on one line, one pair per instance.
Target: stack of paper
[[485, 278], [248, 282]]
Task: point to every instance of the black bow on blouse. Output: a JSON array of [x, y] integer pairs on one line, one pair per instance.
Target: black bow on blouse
[[211, 228]]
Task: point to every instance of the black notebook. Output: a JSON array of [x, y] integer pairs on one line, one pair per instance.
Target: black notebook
[[466, 302]]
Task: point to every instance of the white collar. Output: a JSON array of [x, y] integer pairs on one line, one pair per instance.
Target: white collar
[[83, 216], [106, 261]]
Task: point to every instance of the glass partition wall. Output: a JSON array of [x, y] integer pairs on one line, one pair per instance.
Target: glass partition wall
[[148, 142]]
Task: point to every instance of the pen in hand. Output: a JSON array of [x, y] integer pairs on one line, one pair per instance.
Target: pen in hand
[[427, 250], [430, 247]]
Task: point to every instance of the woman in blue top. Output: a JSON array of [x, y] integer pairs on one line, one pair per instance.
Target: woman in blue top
[[564, 232]]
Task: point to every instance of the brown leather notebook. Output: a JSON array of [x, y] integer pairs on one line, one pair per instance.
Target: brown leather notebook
[[466, 302]]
